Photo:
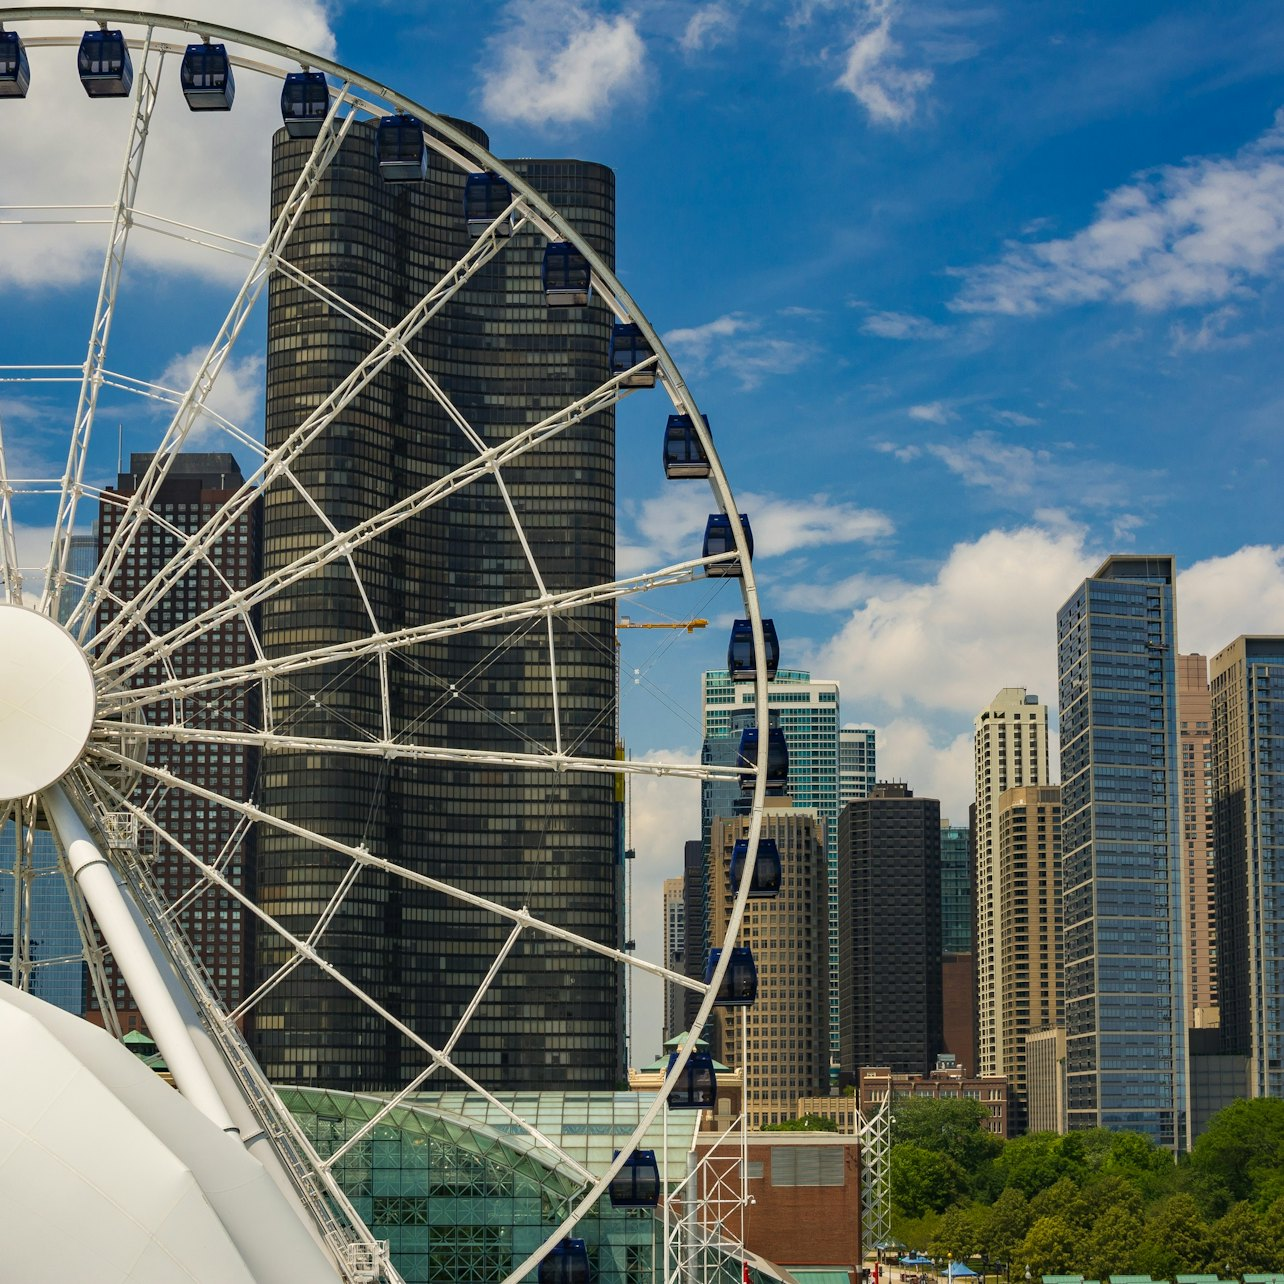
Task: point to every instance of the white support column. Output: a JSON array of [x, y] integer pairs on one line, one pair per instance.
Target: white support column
[[139, 958]]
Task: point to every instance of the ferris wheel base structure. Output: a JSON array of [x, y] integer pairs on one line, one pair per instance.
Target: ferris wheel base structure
[[107, 1173]]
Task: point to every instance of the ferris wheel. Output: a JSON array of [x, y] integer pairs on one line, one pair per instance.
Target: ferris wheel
[[320, 706]]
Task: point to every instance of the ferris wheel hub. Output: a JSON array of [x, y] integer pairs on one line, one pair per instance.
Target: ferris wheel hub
[[46, 701]]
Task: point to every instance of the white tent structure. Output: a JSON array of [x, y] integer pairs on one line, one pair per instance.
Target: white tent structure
[[108, 1174]]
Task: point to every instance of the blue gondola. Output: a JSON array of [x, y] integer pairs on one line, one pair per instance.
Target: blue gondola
[[104, 65], [777, 758], [637, 1184], [565, 275], [486, 197], [566, 1263], [15, 71], [206, 76], [740, 650], [305, 100], [719, 539], [767, 869], [739, 986], [630, 349], [402, 152], [683, 453], [697, 1085]]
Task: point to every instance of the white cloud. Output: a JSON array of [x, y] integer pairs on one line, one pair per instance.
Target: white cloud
[[986, 621], [670, 527], [901, 325], [985, 460], [557, 62], [751, 357], [1222, 597], [873, 73], [197, 167], [709, 26], [1181, 235], [934, 764], [1015, 418], [237, 396], [934, 412]]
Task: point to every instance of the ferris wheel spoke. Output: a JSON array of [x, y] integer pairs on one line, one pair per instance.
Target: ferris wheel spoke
[[380, 644], [144, 100], [399, 750], [311, 954], [501, 957], [278, 460], [10, 572], [199, 542], [192, 405]]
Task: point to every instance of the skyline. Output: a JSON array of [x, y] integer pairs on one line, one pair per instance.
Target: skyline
[[972, 298]]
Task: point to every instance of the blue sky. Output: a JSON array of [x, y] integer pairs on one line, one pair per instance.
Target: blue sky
[[972, 294]]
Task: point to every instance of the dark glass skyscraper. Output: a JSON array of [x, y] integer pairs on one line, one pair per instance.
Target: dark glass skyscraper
[[502, 361], [889, 916], [1126, 1056]]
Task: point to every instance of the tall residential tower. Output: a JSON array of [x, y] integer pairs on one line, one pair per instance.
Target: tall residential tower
[[1122, 892]]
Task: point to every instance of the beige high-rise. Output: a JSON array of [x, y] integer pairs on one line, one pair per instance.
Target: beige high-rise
[[781, 1042], [1195, 721], [1030, 988], [1010, 747]]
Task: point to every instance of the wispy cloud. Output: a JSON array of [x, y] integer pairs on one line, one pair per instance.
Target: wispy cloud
[[1182, 235], [933, 412], [559, 62], [670, 527], [735, 343], [1210, 334], [873, 72], [709, 26], [901, 325], [1030, 479], [1015, 418]]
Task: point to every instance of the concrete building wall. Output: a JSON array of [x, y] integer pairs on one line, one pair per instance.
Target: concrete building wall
[[1010, 749], [1045, 1074], [1030, 992]]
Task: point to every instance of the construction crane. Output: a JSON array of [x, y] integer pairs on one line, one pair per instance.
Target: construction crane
[[690, 625]]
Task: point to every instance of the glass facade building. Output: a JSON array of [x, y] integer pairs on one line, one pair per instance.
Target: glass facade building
[[956, 889], [503, 361], [53, 951], [829, 766], [1247, 681], [1126, 1047], [463, 1195]]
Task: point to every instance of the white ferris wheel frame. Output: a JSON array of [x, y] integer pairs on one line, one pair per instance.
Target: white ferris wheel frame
[[214, 1069]]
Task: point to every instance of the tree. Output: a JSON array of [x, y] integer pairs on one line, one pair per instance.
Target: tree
[[1239, 1241], [804, 1123], [1006, 1223], [1111, 1245], [1051, 1247], [924, 1180], [958, 1236], [1175, 1239], [949, 1125], [1243, 1146], [1062, 1199], [1040, 1159], [1110, 1191]]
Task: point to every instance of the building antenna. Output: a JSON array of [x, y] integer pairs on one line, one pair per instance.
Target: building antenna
[[120, 445]]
